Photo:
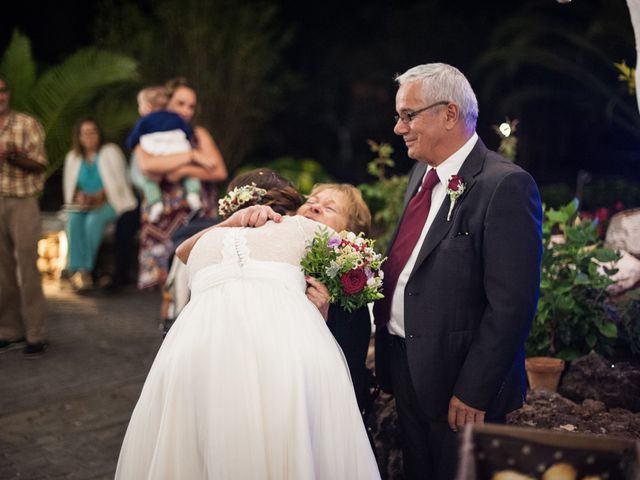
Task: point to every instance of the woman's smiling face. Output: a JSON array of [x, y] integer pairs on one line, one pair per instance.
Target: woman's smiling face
[[183, 102], [328, 207]]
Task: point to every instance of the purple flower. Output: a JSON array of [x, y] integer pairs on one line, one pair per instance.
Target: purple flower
[[334, 241], [368, 272]]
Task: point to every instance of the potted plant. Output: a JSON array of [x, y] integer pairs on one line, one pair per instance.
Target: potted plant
[[574, 314]]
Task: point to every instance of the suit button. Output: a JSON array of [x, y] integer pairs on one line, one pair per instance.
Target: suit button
[[411, 336], [414, 294]]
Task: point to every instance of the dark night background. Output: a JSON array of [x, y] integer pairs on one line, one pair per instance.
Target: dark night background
[[549, 65]]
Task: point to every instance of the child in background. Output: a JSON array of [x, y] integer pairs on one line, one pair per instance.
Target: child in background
[[161, 132]]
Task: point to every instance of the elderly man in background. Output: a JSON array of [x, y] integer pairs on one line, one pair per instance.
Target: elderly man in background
[[22, 164]]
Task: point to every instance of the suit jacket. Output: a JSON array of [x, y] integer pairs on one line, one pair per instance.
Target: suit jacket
[[472, 294]]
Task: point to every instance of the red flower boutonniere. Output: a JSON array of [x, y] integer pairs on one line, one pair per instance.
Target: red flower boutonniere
[[455, 188]]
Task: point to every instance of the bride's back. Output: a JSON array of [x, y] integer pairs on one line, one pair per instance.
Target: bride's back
[[276, 242]]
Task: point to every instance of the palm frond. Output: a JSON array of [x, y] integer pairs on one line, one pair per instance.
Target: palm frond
[[65, 92], [77, 80], [18, 69]]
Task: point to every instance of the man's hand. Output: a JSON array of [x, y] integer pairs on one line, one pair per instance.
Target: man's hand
[[4, 151], [461, 414], [253, 216], [318, 294]]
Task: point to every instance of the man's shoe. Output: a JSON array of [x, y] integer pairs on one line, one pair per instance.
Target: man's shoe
[[35, 350], [8, 345]]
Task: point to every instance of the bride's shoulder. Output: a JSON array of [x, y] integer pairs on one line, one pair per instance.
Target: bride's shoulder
[[309, 226], [304, 221]]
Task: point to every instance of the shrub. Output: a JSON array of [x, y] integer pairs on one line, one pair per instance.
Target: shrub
[[384, 197], [574, 314]]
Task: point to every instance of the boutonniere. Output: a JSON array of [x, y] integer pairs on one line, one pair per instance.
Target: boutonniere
[[455, 188]]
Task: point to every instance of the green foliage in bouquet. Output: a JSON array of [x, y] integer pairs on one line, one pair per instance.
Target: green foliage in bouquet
[[384, 197], [347, 265], [574, 314]]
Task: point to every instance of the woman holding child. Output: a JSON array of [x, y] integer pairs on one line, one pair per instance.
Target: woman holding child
[[201, 166]]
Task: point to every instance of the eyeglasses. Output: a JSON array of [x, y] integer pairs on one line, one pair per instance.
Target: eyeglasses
[[406, 117]]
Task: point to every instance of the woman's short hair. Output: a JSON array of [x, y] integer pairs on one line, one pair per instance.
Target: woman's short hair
[[75, 138], [282, 196], [357, 211]]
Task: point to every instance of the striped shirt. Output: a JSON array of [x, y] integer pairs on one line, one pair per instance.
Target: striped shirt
[[23, 133]]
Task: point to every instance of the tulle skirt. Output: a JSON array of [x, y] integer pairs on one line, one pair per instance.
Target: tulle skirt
[[248, 384]]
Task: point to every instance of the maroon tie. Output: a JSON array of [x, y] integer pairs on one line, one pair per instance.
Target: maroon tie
[[415, 216]]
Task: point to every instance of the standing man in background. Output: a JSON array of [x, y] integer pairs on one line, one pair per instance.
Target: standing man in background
[[23, 161], [462, 276]]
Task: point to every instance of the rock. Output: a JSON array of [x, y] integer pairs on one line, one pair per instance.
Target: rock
[[593, 377], [591, 407], [552, 411]]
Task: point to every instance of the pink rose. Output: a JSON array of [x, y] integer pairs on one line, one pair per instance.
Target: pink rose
[[353, 281]]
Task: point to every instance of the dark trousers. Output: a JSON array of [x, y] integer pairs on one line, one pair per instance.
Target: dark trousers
[[429, 448], [125, 246]]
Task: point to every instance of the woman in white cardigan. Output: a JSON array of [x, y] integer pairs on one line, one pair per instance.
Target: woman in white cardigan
[[96, 191]]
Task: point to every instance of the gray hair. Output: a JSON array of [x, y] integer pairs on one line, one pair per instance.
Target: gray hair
[[444, 82]]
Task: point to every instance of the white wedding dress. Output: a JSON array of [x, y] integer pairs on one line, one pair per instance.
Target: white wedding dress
[[249, 383]]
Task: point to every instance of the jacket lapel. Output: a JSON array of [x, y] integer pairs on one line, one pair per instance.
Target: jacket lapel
[[471, 167]]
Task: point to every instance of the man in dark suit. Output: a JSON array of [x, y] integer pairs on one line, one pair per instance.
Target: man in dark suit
[[462, 278]]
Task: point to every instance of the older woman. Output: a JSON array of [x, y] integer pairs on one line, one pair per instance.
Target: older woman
[[341, 207], [96, 190], [204, 162]]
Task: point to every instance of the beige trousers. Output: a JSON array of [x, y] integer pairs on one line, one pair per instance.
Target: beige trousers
[[22, 303]]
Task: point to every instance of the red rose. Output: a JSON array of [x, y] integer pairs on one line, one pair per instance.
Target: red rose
[[353, 281], [455, 182]]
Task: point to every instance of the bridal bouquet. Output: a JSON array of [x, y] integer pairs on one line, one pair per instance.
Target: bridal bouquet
[[348, 265]]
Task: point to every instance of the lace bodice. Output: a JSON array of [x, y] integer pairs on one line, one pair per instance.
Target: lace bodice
[[275, 242]]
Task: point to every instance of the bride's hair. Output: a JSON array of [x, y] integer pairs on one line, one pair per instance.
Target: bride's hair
[[281, 194]]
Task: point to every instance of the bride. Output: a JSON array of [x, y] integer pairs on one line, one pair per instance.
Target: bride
[[249, 383]]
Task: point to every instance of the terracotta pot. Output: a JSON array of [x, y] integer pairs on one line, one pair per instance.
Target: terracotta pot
[[544, 372]]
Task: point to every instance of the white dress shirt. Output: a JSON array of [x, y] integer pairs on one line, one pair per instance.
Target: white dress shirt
[[451, 166]]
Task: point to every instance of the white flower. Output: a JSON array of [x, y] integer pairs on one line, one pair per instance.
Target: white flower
[[333, 269]]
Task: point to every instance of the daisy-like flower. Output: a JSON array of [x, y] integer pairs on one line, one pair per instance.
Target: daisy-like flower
[[238, 197]]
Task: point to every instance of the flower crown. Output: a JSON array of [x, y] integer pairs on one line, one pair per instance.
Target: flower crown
[[239, 196]]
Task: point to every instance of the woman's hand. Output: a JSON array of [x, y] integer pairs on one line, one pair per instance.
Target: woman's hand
[[200, 158], [90, 201], [173, 176], [81, 198], [253, 216], [318, 294]]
